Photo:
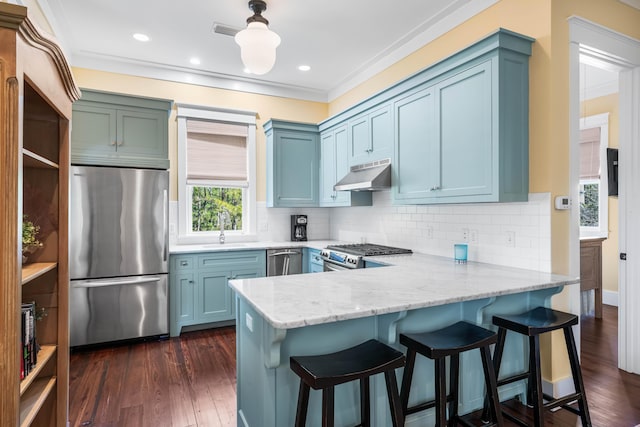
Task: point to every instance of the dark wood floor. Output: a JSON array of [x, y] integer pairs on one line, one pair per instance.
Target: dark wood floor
[[190, 381]]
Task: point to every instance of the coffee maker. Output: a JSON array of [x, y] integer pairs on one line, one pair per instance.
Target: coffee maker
[[298, 228]]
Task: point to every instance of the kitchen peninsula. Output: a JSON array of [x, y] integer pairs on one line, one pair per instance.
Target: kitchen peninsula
[[320, 313]]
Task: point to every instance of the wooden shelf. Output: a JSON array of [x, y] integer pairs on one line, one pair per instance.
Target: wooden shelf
[[33, 160], [46, 352], [34, 398], [37, 269]]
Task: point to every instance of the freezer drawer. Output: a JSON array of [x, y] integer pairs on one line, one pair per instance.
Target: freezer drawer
[[115, 309]]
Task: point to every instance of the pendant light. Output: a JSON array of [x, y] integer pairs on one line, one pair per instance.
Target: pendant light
[[258, 43]]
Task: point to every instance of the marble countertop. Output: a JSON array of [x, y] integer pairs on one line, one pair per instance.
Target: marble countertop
[[240, 246], [408, 282]]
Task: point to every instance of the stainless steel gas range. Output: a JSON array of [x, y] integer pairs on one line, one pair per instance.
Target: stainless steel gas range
[[350, 256]]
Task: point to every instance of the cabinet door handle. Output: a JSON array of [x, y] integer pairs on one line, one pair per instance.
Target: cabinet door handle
[[435, 188], [113, 143], [184, 263], [120, 142]]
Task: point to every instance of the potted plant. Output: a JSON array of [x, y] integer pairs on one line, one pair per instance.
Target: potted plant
[[30, 242]]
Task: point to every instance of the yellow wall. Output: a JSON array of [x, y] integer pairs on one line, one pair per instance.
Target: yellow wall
[[546, 21], [608, 104], [266, 107]]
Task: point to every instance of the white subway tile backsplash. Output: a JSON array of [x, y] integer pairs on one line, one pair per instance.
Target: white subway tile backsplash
[[431, 229]]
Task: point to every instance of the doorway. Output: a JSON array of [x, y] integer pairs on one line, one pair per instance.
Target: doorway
[[617, 52]]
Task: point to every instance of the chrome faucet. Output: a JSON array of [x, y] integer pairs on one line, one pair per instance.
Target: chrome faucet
[[223, 216]]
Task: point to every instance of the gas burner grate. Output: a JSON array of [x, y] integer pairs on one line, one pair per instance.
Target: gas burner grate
[[369, 249]]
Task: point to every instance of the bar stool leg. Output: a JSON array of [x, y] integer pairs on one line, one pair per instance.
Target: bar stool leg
[[454, 377], [577, 376], [497, 360], [536, 377], [441, 392], [365, 410], [303, 404], [397, 415], [327, 407], [492, 386], [406, 379]]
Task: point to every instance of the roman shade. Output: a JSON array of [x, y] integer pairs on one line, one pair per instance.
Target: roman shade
[[217, 152], [590, 153]]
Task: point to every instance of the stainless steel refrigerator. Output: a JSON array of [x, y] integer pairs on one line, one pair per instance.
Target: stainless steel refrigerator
[[118, 254]]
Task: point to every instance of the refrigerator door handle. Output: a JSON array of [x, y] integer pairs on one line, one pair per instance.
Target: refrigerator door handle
[[164, 225], [103, 283]]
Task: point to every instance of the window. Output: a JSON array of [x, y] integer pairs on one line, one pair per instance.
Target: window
[[216, 174], [594, 220]]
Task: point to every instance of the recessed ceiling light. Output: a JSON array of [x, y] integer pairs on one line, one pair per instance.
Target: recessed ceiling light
[[304, 68], [141, 37], [195, 61]]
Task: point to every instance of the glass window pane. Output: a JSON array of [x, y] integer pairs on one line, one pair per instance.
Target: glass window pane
[[207, 202], [590, 205]]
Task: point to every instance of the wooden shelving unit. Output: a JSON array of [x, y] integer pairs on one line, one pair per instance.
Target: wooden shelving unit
[[35, 270], [44, 355], [36, 92]]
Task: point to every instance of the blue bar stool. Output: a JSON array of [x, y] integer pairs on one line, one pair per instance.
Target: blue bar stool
[[324, 372], [531, 324], [437, 345]]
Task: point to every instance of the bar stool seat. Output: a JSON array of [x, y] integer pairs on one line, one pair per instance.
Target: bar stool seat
[[437, 345], [532, 323], [324, 372]]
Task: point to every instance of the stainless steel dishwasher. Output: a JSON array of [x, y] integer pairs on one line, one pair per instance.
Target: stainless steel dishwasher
[[281, 262]]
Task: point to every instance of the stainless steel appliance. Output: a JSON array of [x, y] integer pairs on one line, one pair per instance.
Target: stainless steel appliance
[[118, 244], [350, 256], [298, 228], [282, 262]]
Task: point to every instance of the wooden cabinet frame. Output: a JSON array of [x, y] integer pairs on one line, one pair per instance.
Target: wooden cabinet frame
[[36, 93]]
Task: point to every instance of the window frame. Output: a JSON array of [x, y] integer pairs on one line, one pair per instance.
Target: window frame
[[601, 121], [249, 202]]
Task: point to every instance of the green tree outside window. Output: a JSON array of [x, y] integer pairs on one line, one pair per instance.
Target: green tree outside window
[[208, 201]]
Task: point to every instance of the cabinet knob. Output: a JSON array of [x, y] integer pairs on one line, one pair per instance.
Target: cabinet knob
[[435, 188], [183, 263], [113, 143], [191, 281]]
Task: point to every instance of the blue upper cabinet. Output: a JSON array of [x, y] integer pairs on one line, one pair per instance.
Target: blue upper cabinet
[[334, 165], [461, 136], [293, 164], [118, 130], [370, 135]]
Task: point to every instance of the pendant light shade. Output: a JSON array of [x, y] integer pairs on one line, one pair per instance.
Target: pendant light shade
[[258, 43]]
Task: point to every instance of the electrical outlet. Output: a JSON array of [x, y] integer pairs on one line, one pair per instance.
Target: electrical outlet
[[429, 232], [249, 322], [510, 239], [473, 236], [465, 234]]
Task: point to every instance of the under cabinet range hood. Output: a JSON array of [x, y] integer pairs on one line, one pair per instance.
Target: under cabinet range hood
[[367, 177]]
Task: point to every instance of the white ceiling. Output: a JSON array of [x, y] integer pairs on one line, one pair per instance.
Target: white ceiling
[[344, 41]]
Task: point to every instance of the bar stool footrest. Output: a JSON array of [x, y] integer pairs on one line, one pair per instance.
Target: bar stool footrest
[[513, 378], [424, 405]]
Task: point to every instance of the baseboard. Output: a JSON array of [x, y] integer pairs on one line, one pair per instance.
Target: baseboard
[[559, 388], [610, 298]]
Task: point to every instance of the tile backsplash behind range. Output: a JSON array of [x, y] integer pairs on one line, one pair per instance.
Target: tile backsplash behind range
[[511, 234]]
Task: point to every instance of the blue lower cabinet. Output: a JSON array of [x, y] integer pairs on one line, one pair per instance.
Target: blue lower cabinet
[[313, 262], [198, 285], [373, 264]]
